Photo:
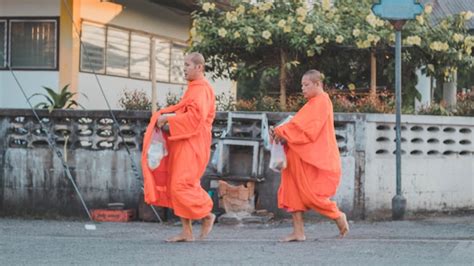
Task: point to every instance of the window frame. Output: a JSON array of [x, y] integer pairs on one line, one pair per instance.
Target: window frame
[[151, 36], [5, 42], [8, 49]]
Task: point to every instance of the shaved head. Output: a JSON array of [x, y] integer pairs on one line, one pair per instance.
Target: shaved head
[[313, 75], [196, 58]]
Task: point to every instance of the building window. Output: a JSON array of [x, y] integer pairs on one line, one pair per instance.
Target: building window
[[177, 63], [33, 44], [115, 51], [140, 56], [118, 43], [93, 48], [163, 59], [3, 43]]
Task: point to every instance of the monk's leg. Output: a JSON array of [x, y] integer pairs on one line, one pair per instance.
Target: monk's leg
[[186, 235], [298, 228], [342, 224], [207, 224]]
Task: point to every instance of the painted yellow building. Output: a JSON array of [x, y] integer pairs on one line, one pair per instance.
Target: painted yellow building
[[57, 42]]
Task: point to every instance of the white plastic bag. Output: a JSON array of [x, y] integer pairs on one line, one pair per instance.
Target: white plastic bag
[[215, 157], [277, 157], [157, 149]]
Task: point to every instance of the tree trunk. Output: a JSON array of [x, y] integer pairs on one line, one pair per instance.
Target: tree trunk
[[283, 77], [373, 75], [449, 91]]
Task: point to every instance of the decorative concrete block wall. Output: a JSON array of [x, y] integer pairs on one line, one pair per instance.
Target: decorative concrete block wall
[[437, 163]]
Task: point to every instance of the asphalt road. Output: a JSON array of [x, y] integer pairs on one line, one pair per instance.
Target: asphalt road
[[429, 241]]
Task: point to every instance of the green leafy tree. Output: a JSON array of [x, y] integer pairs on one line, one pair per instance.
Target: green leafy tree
[[278, 36]]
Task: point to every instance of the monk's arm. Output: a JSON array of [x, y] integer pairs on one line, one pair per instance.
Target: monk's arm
[[185, 125], [306, 125]]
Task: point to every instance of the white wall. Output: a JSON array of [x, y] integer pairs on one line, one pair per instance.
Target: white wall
[[115, 86], [31, 81], [438, 167], [29, 8]]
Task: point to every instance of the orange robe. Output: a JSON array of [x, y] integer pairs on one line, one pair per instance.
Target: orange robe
[[177, 182], [313, 167]]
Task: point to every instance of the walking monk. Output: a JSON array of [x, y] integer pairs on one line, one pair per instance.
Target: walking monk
[[188, 144], [313, 167]]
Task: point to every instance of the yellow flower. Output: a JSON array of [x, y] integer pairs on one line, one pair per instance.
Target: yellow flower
[[208, 6], [267, 6], [281, 23], [250, 40], [319, 39], [339, 39], [310, 53], [420, 19], [287, 29], [379, 22], [197, 39], [266, 34], [308, 29], [301, 19], [428, 9], [370, 37], [431, 67], [301, 12], [413, 40], [231, 17], [371, 19], [392, 37], [193, 32], [356, 32], [222, 32], [439, 46], [326, 4], [240, 10], [458, 37], [468, 15], [351, 87], [249, 30], [236, 34]]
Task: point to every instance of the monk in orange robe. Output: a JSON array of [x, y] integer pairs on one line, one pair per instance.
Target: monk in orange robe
[[313, 167], [176, 183]]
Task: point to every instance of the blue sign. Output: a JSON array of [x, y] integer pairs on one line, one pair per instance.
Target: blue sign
[[397, 9]]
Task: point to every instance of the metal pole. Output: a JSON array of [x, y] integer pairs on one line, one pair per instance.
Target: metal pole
[[153, 75], [398, 201], [398, 92]]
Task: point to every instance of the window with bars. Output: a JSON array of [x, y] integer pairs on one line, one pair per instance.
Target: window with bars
[[120, 52], [29, 43]]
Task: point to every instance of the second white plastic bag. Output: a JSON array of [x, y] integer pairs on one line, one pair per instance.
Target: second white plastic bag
[[277, 157], [157, 149]]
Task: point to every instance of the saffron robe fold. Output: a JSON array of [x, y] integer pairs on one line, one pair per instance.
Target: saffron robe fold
[[313, 162], [176, 183]]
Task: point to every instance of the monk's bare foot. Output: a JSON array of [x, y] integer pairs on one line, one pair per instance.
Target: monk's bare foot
[[343, 225], [207, 224], [181, 238], [293, 238]]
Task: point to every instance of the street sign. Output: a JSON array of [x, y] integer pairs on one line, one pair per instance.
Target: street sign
[[397, 12], [397, 9]]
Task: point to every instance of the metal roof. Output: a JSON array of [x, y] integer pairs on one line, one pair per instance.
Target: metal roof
[[443, 8]]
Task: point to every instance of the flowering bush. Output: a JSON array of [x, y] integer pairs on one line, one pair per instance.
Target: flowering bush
[[248, 36], [135, 100]]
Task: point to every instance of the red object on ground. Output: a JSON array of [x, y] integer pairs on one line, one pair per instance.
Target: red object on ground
[[103, 215]]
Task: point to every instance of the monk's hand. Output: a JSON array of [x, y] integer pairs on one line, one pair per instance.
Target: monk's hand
[[271, 132], [163, 120], [279, 139]]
